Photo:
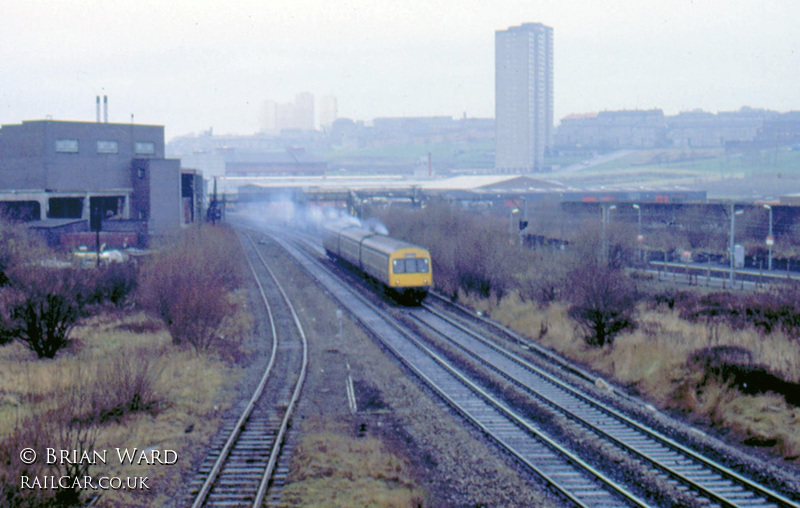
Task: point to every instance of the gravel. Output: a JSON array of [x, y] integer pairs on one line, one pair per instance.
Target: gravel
[[454, 463]]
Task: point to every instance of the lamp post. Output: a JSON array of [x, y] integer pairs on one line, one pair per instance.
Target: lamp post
[[608, 214], [770, 238], [605, 218], [639, 237], [733, 244], [511, 224]]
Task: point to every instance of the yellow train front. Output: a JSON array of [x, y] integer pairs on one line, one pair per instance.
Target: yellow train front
[[403, 269]]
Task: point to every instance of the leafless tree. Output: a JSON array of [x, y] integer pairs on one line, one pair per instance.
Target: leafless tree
[[603, 299]]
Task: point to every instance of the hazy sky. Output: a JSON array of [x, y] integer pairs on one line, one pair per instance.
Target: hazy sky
[[193, 64]]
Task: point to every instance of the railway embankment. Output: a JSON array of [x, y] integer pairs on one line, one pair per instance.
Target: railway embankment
[[672, 347], [126, 400]]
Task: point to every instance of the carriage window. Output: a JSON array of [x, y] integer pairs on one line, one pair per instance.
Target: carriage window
[[398, 266], [422, 265]]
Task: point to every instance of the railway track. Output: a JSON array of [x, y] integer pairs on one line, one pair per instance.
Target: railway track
[[708, 480], [242, 467], [574, 479]]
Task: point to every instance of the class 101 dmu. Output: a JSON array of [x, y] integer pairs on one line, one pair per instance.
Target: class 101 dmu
[[403, 269]]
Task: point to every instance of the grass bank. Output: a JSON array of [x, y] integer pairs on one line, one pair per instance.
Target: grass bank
[[666, 359], [123, 384]]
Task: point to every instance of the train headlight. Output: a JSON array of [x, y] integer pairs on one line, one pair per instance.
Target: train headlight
[[397, 283]]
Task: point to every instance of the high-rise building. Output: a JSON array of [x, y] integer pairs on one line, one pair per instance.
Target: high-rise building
[[297, 115], [269, 116], [523, 97], [304, 111], [328, 112]]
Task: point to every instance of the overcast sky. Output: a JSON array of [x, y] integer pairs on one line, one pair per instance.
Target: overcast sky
[[193, 64]]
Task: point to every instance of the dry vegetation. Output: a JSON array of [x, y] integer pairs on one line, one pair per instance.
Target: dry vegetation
[[665, 360], [331, 467], [727, 361], [120, 379]]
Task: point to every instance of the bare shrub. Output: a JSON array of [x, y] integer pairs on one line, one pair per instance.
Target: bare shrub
[[7, 299], [544, 280], [196, 316], [57, 424], [17, 247], [768, 311], [113, 283], [187, 285], [46, 305], [602, 302], [126, 383]]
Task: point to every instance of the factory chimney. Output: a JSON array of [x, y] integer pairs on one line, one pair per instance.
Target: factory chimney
[[97, 107], [105, 108]]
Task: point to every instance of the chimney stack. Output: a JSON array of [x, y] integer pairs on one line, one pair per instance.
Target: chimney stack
[[97, 107], [105, 108]]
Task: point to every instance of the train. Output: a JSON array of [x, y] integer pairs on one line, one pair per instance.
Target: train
[[402, 269]]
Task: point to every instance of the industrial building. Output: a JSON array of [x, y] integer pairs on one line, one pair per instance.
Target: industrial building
[[61, 172]]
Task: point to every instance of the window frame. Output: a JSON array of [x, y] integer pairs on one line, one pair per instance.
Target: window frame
[[107, 146], [67, 145], [144, 148]]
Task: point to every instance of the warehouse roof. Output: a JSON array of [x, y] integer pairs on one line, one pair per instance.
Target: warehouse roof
[[472, 182]]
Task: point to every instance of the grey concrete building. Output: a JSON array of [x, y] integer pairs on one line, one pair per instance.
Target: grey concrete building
[[523, 97], [62, 170]]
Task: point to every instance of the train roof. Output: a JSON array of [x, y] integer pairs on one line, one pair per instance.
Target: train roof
[[338, 226], [355, 233], [369, 238], [387, 244]]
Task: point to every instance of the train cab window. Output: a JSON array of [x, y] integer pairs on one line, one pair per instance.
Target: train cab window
[[411, 265]]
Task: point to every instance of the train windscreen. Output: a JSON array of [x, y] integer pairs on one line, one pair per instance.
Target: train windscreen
[[410, 265]]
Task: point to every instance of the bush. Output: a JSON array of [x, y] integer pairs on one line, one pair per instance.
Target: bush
[[57, 424], [43, 306], [113, 283], [17, 247], [187, 285], [7, 298], [126, 384], [776, 309], [602, 302]]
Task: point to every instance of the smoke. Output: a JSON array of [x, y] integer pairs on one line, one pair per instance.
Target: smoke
[[283, 210], [376, 226], [342, 217]]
